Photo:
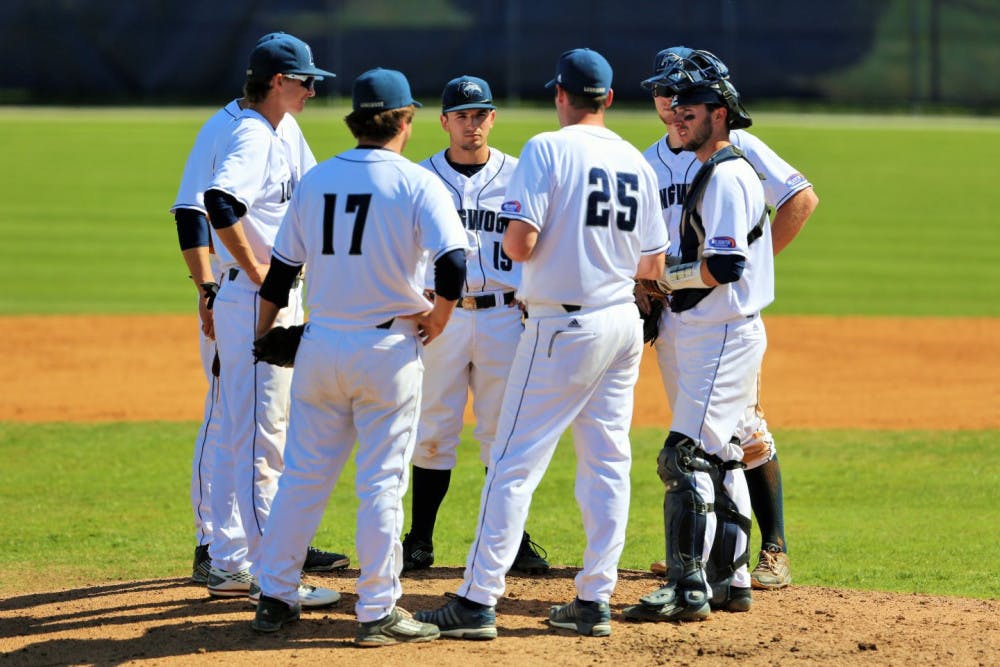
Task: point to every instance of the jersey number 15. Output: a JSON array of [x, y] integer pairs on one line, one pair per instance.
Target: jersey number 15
[[356, 204], [598, 201]]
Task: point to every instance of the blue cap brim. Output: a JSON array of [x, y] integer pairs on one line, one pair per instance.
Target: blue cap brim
[[314, 71], [473, 105]]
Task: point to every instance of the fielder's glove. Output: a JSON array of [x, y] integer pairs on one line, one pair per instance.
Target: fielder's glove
[[278, 346], [651, 303]]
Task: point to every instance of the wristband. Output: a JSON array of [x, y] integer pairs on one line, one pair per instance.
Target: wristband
[[209, 290], [682, 276]]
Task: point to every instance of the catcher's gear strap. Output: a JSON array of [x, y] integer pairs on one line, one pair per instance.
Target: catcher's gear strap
[[278, 282], [192, 228], [685, 512], [224, 210], [693, 231], [723, 561]]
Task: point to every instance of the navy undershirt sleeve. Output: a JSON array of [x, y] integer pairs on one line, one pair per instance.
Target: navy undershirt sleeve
[[278, 282], [223, 209], [192, 228], [449, 274], [726, 268]]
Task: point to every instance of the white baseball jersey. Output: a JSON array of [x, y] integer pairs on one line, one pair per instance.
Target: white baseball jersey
[[476, 349], [478, 199], [260, 167], [363, 223], [732, 205], [593, 199], [361, 258]]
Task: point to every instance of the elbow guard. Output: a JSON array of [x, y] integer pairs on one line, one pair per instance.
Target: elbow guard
[[726, 268], [449, 275]]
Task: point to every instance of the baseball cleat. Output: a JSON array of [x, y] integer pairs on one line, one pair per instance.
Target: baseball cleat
[[670, 604], [528, 560], [324, 561], [398, 626], [773, 569], [222, 584], [730, 598], [310, 597], [272, 613], [202, 564], [587, 618], [459, 620], [417, 554]]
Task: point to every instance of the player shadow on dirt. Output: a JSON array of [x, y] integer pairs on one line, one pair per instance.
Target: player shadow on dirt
[[180, 619]]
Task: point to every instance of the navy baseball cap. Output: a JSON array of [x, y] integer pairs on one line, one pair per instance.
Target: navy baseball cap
[[281, 53], [583, 72], [381, 90], [466, 92], [665, 58]]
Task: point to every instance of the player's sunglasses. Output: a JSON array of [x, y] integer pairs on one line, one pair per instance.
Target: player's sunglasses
[[663, 91], [308, 82]]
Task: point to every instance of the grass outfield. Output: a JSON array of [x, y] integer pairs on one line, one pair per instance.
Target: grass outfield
[[906, 224], [880, 511]]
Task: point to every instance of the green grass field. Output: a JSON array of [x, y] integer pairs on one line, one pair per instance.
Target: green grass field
[[906, 226]]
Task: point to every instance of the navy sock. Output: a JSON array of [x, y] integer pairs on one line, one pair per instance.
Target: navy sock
[[429, 490], [767, 503]]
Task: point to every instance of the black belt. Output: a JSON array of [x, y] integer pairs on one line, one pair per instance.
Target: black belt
[[570, 308], [484, 301], [234, 272], [386, 324]]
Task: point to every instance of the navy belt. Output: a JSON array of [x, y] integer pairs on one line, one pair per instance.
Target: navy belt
[[570, 308], [386, 324]]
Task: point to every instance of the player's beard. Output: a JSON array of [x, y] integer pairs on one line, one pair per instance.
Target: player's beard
[[699, 134]]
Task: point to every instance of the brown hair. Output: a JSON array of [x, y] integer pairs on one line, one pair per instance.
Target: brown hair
[[586, 102], [378, 126]]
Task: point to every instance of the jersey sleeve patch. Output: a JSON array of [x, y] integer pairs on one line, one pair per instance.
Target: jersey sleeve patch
[[512, 206], [722, 242], [794, 180]]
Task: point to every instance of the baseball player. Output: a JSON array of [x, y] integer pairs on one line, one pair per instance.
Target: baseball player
[[724, 279], [364, 223], [792, 198], [476, 350], [256, 165], [581, 214]]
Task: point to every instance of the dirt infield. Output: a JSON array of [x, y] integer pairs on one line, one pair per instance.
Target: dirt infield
[[878, 373]]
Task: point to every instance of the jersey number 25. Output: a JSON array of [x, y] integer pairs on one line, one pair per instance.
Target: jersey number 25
[[599, 199]]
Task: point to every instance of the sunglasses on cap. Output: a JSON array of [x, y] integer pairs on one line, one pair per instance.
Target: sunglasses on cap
[[308, 82], [659, 90]]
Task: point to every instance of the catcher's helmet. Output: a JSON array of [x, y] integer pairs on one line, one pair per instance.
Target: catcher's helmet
[[664, 61], [720, 92], [679, 67]]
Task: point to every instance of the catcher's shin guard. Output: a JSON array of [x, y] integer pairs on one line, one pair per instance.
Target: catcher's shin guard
[[685, 513], [723, 561]]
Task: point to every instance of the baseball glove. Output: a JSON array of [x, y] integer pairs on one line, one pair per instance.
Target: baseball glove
[[278, 346], [651, 302]]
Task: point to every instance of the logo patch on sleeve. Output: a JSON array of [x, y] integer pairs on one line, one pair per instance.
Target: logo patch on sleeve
[[795, 179], [511, 207], [724, 242]]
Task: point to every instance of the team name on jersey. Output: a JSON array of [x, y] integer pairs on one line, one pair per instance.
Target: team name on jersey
[[673, 195], [476, 220]]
